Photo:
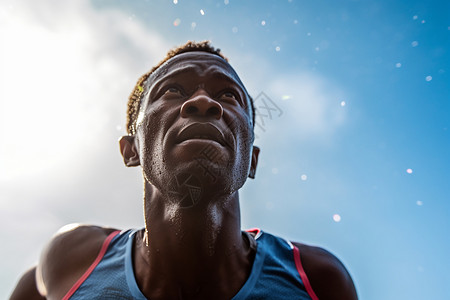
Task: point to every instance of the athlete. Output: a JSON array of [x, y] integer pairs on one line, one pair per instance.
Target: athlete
[[190, 128]]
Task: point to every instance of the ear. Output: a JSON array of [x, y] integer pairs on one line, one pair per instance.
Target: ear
[[255, 154], [129, 150]]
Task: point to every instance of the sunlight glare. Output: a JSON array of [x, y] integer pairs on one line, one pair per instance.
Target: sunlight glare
[[46, 86]]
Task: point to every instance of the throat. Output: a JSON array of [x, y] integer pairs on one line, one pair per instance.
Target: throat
[[191, 253], [187, 270]]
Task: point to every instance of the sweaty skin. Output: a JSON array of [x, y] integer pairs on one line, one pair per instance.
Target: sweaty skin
[[192, 246]]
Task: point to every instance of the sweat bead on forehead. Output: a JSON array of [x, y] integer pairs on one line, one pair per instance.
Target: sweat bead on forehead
[[200, 62]]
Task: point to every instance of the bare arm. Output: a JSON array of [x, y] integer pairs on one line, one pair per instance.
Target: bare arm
[[26, 288], [329, 278]]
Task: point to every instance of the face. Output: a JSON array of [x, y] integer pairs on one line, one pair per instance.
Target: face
[[195, 120]]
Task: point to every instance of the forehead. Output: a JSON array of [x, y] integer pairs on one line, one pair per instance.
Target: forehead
[[200, 63]]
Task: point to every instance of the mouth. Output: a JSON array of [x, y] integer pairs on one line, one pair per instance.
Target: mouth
[[201, 131]]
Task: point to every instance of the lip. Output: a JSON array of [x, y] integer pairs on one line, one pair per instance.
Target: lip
[[201, 131]]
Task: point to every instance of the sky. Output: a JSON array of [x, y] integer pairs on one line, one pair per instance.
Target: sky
[[353, 103]]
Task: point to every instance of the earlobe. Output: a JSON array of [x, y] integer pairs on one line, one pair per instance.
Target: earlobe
[[129, 150], [254, 164]]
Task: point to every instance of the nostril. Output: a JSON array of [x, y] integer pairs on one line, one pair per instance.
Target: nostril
[[214, 111], [191, 109]]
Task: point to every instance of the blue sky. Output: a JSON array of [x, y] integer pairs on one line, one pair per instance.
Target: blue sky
[[355, 160]]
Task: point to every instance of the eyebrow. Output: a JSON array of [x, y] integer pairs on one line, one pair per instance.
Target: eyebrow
[[220, 75], [159, 79]]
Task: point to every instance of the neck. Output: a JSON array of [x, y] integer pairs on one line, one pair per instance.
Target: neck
[[191, 252]]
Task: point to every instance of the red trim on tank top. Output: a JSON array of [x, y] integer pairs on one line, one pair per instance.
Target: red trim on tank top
[[255, 230], [92, 266], [301, 272]]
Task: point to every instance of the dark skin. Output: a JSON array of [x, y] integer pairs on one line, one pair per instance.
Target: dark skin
[[188, 249]]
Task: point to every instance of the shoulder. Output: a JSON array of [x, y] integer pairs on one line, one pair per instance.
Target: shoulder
[[26, 288], [67, 256], [327, 275]]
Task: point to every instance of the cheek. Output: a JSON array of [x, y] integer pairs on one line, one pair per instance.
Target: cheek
[[242, 130], [150, 132], [151, 156], [244, 138], [153, 130], [156, 122]]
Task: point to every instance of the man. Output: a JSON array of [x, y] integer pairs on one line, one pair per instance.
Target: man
[[190, 124]]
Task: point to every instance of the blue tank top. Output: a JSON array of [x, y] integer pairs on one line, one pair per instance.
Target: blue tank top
[[276, 273]]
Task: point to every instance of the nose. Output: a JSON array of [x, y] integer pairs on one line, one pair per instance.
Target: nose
[[200, 104]]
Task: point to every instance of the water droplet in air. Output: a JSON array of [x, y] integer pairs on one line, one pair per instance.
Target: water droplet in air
[[175, 1], [415, 43], [234, 29], [193, 25], [415, 17], [277, 48], [226, 2], [409, 171], [176, 22], [419, 203], [303, 177], [423, 22], [202, 12], [263, 22], [343, 103], [336, 218], [398, 65], [428, 78], [308, 34]]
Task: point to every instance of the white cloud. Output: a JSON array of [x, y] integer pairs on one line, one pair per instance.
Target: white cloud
[[66, 72], [311, 110], [62, 63], [311, 104]]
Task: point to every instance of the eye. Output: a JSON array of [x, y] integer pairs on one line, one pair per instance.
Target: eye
[[172, 90], [227, 95]]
